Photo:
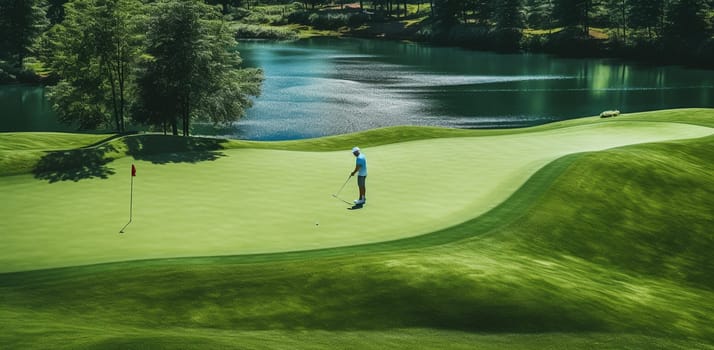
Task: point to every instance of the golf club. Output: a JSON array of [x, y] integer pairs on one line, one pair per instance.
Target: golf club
[[340, 190], [338, 198], [343, 186]]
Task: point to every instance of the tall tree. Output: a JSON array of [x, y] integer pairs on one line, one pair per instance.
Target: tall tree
[[539, 13], [619, 14], [508, 25], [688, 22], [21, 23], [94, 51], [483, 10], [509, 14], [574, 14], [119, 45], [648, 15], [447, 12], [79, 97], [193, 70]]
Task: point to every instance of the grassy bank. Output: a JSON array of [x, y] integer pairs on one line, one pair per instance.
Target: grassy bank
[[604, 247]]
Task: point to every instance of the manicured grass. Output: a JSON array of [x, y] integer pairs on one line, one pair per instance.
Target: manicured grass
[[606, 249], [19, 152], [46, 141], [248, 201]]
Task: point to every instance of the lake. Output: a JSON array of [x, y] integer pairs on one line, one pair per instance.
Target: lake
[[328, 86]]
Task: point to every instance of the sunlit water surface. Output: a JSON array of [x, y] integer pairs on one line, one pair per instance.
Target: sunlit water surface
[[327, 86]]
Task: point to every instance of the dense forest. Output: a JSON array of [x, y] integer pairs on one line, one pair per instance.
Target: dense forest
[[660, 31], [672, 30], [167, 62]]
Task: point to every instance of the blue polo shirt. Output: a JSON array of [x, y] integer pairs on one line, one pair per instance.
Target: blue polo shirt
[[362, 162]]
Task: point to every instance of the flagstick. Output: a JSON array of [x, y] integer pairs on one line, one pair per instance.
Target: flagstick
[[131, 198], [131, 203]]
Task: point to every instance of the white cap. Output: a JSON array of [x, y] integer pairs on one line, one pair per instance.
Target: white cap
[[355, 149]]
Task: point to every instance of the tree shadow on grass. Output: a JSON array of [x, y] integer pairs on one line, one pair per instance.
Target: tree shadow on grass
[[74, 165], [160, 149], [91, 162]]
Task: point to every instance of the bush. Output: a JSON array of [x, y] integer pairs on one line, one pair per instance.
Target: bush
[[533, 43], [425, 33], [239, 13], [507, 39], [572, 42], [314, 20], [328, 21], [357, 19], [324, 20], [300, 17], [249, 31], [336, 21], [13, 74], [258, 18], [477, 37]]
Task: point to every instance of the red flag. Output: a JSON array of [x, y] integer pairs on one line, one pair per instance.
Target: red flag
[[133, 170]]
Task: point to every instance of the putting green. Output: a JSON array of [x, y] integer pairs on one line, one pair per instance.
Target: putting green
[[256, 201]]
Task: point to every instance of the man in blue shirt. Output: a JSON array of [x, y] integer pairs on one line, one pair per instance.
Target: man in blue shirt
[[361, 171]]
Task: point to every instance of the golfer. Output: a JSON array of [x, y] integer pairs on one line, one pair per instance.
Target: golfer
[[361, 171]]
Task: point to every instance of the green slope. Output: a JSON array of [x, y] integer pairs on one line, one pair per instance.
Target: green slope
[[20, 152], [207, 201], [606, 249]]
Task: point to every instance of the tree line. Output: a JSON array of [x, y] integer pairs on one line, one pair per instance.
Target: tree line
[[671, 31], [161, 63]]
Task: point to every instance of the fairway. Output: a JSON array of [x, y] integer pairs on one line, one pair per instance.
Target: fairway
[[248, 201], [587, 233]]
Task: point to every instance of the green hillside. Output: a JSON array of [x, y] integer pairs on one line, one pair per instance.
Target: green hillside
[[604, 244]]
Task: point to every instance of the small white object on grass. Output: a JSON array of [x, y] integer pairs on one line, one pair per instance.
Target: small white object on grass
[[608, 114]]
